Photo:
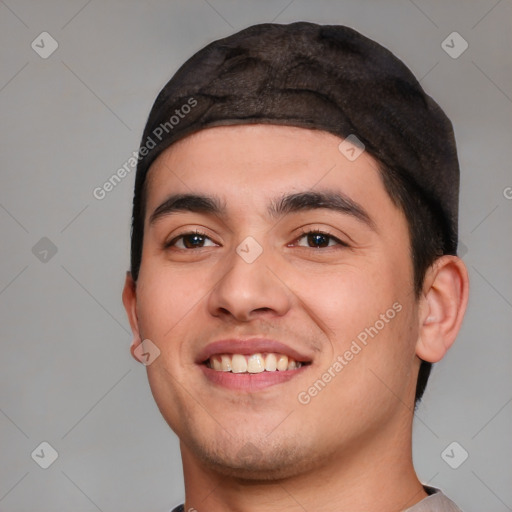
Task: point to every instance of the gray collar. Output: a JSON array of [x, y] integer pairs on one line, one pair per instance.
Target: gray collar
[[435, 502]]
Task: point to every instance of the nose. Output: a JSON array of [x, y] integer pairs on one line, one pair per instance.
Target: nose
[[250, 289]]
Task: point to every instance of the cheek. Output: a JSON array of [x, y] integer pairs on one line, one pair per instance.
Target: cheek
[[348, 298], [165, 299], [367, 311]]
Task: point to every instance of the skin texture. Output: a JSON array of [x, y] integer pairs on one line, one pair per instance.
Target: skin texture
[[349, 448]]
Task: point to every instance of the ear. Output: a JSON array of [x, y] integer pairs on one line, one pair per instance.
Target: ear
[[442, 307], [130, 305]]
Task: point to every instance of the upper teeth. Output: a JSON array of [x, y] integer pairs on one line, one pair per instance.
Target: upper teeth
[[254, 363]]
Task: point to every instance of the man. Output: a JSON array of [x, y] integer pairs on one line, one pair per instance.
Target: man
[[294, 271]]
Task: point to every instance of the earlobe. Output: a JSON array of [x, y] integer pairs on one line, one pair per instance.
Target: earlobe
[[442, 307], [130, 305]]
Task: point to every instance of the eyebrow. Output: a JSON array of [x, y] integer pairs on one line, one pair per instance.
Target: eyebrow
[[278, 207]]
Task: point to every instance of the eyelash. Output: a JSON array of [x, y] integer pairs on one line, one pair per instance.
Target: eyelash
[[303, 233]]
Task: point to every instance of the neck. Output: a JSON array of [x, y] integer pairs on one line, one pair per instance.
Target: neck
[[377, 475]]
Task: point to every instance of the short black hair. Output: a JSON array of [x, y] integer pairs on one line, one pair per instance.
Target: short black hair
[[427, 241]]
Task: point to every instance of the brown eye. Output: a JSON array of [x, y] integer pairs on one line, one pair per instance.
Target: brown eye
[[319, 239], [193, 240]]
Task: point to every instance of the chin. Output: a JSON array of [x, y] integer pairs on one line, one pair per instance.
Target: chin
[[255, 462]]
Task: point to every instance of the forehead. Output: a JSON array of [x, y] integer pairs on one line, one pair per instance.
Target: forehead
[[246, 163]]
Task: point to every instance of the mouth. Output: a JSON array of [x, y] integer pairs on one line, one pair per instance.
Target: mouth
[[251, 365]]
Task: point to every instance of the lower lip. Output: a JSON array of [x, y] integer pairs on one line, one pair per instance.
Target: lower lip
[[249, 381]]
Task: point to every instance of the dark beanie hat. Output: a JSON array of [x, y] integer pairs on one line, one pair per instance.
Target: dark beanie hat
[[326, 77]]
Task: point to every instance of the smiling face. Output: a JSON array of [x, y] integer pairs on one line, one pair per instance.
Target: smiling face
[[260, 256]]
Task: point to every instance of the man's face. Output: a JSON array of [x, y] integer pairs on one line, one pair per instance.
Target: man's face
[[312, 293]]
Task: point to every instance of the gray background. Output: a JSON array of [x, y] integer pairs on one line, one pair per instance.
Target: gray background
[[71, 120]]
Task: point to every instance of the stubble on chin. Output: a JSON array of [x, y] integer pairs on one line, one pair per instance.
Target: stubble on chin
[[261, 460]]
